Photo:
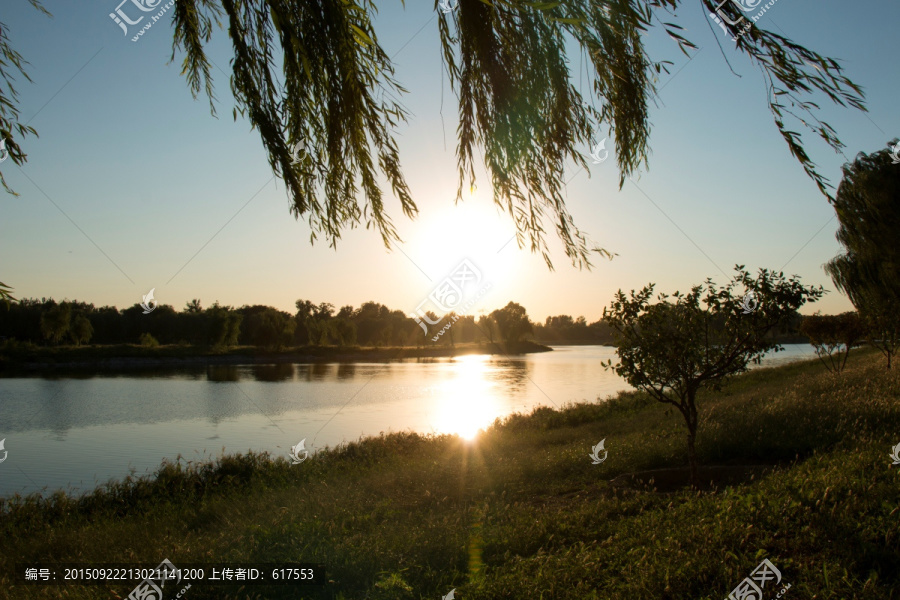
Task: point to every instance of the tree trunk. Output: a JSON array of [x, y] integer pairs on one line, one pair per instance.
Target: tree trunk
[[690, 416], [692, 459]]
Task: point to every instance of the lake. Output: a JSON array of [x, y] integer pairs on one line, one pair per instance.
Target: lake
[[76, 431]]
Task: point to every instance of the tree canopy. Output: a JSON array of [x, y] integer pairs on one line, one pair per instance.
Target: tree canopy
[[512, 323], [674, 348], [868, 210], [867, 205], [833, 337], [313, 72]]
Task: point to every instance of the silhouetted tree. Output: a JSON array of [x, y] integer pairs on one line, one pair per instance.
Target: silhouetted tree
[[672, 350], [55, 322], [512, 323], [868, 210], [373, 324], [224, 325], [488, 327], [882, 325], [833, 336], [266, 326], [81, 329]]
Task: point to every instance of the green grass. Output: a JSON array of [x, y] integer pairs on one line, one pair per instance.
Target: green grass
[[522, 512]]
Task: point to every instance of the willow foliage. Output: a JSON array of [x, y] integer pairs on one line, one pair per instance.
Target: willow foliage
[[868, 209], [12, 63], [312, 72]]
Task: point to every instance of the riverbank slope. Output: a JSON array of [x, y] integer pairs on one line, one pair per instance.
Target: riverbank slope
[[803, 478]]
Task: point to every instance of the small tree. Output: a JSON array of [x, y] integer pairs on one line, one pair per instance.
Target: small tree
[[224, 326], [833, 336], [673, 349], [512, 323], [883, 330], [81, 330], [148, 341], [55, 322]]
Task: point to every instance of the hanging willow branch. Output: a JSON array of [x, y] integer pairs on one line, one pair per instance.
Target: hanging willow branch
[[312, 72], [11, 62]]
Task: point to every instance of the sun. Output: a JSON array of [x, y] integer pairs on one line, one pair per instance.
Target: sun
[[472, 229]]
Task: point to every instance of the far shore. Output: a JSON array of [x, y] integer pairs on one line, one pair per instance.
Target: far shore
[[130, 356]]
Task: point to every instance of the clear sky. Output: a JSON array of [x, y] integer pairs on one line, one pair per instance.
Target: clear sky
[[132, 185]]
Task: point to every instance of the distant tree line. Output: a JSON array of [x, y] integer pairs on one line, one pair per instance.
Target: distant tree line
[[49, 322]]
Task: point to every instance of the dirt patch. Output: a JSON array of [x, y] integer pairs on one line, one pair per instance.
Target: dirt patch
[[711, 477]]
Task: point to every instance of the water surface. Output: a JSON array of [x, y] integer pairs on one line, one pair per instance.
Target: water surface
[[77, 431]]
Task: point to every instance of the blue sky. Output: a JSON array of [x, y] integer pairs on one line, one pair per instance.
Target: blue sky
[[159, 194]]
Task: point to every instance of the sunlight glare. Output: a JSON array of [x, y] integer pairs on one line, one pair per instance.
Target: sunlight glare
[[466, 403], [472, 229]]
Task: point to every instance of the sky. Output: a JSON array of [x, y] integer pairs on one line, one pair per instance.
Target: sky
[[133, 185]]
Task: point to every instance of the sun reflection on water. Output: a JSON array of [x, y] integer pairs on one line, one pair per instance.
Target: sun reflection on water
[[466, 402]]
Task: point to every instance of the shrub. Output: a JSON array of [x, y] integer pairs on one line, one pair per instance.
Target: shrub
[[833, 336]]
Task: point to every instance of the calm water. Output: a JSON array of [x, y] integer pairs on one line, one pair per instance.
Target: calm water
[[75, 432]]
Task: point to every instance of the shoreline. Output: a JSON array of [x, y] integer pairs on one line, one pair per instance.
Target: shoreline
[[121, 357]]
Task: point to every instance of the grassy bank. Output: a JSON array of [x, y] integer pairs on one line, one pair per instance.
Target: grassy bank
[[522, 512], [15, 355]]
